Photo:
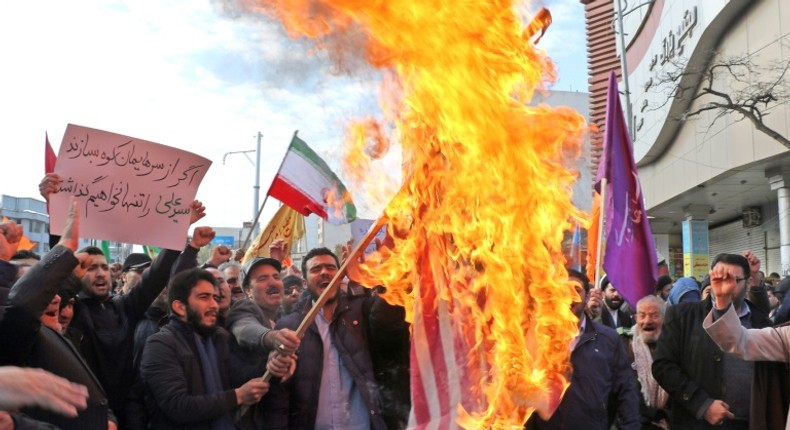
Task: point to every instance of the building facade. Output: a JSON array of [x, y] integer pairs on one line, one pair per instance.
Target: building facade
[[713, 180]]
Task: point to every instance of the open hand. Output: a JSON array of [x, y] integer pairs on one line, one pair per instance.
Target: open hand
[[21, 387], [196, 211]]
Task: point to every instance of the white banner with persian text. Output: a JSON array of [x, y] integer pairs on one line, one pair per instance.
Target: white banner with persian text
[[128, 189]]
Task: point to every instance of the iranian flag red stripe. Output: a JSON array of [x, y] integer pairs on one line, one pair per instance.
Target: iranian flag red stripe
[[292, 197], [305, 183]]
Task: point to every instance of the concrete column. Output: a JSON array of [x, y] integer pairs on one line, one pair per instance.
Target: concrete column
[[779, 179], [696, 258], [660, 229], [783, 195]]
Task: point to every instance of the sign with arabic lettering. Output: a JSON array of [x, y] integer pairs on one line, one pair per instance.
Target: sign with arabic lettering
[[665, 39], [129, 190]]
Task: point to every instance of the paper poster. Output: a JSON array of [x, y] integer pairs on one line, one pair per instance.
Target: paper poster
[[360, 227], [129, 190]]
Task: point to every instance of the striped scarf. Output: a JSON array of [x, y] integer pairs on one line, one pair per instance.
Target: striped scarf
[[654, 395]]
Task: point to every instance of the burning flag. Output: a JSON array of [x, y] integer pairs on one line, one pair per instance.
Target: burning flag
[[307, 184], [477, 259]]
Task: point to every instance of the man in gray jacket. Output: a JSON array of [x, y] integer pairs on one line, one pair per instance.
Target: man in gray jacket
[[252, 321]]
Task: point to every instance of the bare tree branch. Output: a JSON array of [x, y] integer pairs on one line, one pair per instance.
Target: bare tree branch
[[734, 85]]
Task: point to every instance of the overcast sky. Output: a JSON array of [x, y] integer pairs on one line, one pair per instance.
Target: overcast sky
[[186, 74]]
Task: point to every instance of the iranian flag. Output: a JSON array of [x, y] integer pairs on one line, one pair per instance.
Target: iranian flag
[[307, 184]]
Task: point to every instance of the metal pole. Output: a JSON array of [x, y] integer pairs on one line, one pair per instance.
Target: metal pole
[[599, 245], [257, 214], [257, 187], [624, 65]]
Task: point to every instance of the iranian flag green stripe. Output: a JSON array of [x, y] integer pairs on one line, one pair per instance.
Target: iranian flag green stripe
[[304, 181]]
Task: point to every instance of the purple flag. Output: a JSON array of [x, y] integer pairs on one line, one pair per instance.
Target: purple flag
[[630, 255]]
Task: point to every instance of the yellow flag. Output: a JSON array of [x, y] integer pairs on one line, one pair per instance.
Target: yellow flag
[[287, 224]]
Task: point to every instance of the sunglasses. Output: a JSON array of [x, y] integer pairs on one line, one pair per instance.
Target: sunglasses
[[290, 290]]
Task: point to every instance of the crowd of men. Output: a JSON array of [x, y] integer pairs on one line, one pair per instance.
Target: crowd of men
[[170, 343], [670, 368]]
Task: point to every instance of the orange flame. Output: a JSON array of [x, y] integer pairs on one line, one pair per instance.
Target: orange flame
[[487, 197]]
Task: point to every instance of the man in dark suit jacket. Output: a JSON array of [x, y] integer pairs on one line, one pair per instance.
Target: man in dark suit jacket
[[613, 314], [603, 387]]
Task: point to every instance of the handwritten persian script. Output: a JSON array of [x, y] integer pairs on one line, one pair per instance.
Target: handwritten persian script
[[129, 190]]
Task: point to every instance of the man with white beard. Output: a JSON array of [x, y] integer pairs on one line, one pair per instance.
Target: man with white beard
[[642, 346]]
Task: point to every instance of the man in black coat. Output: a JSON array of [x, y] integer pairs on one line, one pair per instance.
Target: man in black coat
[[614, 314], [603, 386], [184, 367], [707, 388], [154, 319], [26, 342], [107, 321]]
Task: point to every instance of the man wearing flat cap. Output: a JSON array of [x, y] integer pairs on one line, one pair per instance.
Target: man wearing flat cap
[[132, 270], [252, 321]]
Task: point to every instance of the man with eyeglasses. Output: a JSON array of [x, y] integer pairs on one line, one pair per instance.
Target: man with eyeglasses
[[707, 387], [231, 271], [224, 296], [293, 286]]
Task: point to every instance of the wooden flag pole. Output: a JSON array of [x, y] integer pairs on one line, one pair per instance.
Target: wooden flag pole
[[599, 246]]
